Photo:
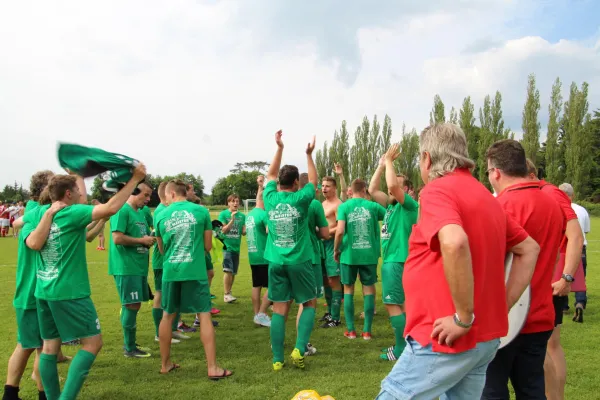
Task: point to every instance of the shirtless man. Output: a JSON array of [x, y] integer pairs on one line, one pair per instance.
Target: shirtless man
[[333, 293]]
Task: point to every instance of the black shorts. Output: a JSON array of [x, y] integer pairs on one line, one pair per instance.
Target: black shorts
[[560, 302], [260, 275]]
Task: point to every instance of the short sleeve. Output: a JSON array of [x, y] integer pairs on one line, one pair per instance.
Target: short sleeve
[[118, 222], [270, 190], [409, 203], [438, 209], [320, 215], [82, 213], [207, 221], [341, 214], [380, 211], [515, 234]]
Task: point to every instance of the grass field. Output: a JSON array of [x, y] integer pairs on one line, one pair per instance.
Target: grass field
[[342, 368]]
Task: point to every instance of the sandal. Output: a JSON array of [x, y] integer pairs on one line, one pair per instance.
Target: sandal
[[173, 368], [226, 374]]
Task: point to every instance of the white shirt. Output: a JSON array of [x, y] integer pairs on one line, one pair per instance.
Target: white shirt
[[584, 220]]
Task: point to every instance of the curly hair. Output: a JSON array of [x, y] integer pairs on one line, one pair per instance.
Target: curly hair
[[39, 181]]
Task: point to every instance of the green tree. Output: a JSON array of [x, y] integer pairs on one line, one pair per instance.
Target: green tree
[[497, 126], [374, 145], [453, 116], [552, 156], [467, 124], [320, 164], [594, 182], [437, 114], [343, 151], [242, 183], [408, 162], [486, 138], [530, 125]]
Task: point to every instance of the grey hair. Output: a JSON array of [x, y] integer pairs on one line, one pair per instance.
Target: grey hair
[[447, 146], [567, 188]]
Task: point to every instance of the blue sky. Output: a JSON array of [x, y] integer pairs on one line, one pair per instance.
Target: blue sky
[[215, 79]]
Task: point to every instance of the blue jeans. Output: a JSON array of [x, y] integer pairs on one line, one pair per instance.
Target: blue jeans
[[421, 373]]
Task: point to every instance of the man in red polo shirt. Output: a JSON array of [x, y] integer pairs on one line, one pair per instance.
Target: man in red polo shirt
[[456, 298], [522, 361], [570, 249]]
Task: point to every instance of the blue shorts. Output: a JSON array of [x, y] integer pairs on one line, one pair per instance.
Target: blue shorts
[[231, 262]]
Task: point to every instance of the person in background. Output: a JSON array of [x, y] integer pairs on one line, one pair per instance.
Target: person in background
[[101, 237]]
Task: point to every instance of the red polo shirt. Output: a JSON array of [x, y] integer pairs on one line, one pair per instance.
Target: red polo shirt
[[565, 204], [460, 199], [544, 221]]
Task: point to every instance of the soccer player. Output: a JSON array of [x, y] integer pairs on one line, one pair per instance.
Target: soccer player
[[65, 309], [184, 235], [357, 246], [128, 263], [401, 215], [234, 226], [456, 304], [256, 237], [289, 252], [333, 290], [522, 360], [4, 219]]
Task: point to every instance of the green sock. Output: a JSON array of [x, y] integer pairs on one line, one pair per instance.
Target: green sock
[[278, 336], [49, 374], [157, 314], [78, 372], [349, 311], [305, 327], [398, 324], [175, 322], [336, 304], [328, 298], [128, 322], [369, 310]]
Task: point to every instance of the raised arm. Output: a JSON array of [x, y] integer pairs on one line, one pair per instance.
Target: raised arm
[[390, 174], [375, 184], [273, 172], [38, 237], [110, 208], [339, 171], [312, 170], [259, 193]]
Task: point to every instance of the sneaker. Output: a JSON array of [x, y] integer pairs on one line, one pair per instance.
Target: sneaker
[[389, 356], [331, 324], [196, 323], [278, 366], [310, 350], [98, 248], [228, 298], [262, 320], [214, 311], [297, 359], [386, 349], [173, 340], [366, 336], [182, 327], [137, 353], [326, 317], [350, 335], [180, 336]]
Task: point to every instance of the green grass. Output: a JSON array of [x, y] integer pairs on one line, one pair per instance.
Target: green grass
[[342, 368]]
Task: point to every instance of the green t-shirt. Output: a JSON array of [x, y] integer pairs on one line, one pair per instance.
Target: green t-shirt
[[233, 238], [398, 222], [31, 205], [182, 226], [157, 258], [26, 264], [288, 242], [361, 242], [148, 216], [316, 219], [128, 260], [256, 236], [62, 265]]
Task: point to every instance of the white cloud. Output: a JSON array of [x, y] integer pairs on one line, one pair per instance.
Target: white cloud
[[197, 87]]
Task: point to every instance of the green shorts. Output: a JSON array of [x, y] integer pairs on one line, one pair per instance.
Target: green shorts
[[368, 274], [391, 283], [132, 289], [189, 297], [28, 329], [332, 267], [209, 264], [158, 279], [68, 319], [317, 270], [292, 282]]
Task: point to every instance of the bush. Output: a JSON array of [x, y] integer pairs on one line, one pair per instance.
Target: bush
[[592, 208]]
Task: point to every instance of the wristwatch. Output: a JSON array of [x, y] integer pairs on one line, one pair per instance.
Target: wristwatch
[[458, 322], [568, 278]]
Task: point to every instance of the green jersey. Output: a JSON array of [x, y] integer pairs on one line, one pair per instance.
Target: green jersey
[[61, 264], [128, 260], [31, 205], [256, 236], [26, 263], [157, 258], [182, 226], [288, 242], [316, 220], [396, 229], [148, 216], [233, 238], [361, 242]]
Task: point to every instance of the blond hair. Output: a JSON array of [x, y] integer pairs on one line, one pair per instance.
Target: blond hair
[[447, 147]]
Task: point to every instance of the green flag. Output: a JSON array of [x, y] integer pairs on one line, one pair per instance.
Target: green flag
[[115, 169]]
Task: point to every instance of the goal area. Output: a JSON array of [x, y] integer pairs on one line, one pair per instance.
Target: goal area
[[249, 204]]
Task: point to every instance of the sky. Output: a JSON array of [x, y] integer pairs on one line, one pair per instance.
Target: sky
[[196, 86]]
